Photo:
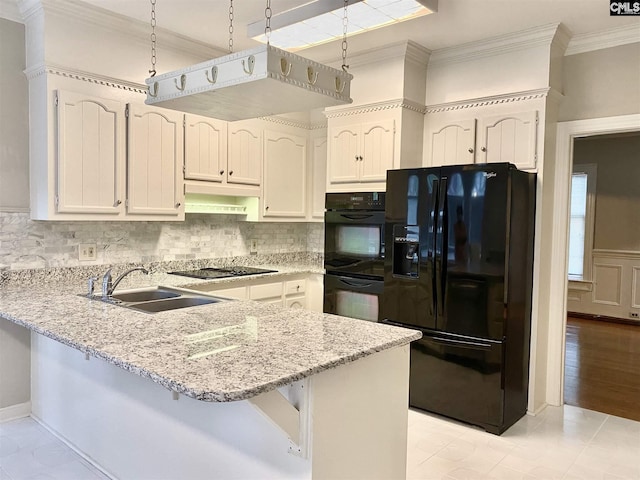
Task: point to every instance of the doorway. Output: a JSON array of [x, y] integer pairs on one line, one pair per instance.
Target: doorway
[[567, 132]]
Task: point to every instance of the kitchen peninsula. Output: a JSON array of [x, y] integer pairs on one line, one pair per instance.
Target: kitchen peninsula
[[236, 389]]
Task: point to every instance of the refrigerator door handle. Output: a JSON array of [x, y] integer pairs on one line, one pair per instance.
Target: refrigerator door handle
[[461, 343], [434, 274], [445, 239]]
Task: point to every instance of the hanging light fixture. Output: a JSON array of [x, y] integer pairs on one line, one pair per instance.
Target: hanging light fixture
[[253, 83]]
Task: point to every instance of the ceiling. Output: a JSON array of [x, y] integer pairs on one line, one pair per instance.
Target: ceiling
[[456, 22]]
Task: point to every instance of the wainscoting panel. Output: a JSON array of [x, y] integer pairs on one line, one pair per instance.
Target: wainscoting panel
[[635, 296], [614, 290], [607, 280]]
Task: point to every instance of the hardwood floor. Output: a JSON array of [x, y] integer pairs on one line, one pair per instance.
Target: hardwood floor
[[602, 367]]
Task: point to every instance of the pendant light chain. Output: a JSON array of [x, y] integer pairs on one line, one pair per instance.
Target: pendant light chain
[[345, 23], [153, 38], [267, 25], [230, 26]]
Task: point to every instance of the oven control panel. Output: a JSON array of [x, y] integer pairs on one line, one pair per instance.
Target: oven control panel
[[355, 201]]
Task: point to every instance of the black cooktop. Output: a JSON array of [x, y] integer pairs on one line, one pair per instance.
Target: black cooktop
[[214, 272]]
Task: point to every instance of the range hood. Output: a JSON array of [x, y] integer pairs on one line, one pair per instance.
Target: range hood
[[253, 83]]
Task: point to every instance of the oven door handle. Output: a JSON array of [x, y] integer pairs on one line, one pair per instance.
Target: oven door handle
[[356, 217], [353, 283]]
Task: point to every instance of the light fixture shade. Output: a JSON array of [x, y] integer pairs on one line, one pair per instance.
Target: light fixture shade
[[253, 83]]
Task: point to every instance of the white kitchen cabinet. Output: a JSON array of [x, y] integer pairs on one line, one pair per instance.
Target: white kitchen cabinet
[[504, 137], [238, 293], [244, 152], [318, 181], [205, 149], [453, 143], [91, 155], [289, 291], [367, 140], [509, 138], [284, 186], [294, 291], [155, 147], [361, 152]]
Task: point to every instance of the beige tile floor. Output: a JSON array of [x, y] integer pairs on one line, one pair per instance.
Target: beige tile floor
[[560, 443]]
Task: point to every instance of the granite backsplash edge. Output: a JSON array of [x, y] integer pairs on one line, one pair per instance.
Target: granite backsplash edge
[[65, 275]]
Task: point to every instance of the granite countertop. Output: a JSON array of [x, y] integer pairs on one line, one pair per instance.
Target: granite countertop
[[219, 352]]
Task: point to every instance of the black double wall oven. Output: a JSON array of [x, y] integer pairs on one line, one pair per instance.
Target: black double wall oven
[[354, 254]]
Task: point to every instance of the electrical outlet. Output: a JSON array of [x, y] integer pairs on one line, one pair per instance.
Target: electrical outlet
[[634, 315], [253, 247], [87, 252]]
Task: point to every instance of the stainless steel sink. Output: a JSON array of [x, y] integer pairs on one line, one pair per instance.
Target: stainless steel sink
[[145, 295], [172, 304], [159, 299]]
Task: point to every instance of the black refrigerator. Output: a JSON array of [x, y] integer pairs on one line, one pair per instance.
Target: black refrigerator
[[459, 267]]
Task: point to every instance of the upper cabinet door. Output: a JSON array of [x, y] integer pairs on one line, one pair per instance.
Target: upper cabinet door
[[376, 151], [344, 154], [509, 138], [244, 153], [205, 148], [285, 178], [155, 159], [91, 154], [454, 143]]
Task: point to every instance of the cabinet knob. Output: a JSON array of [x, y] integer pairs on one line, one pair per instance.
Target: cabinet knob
[[221, 172], [360, 157], [484, 149], [267, 207], [178, 205], [298, 287], [118, 202], [356, 158], [230, 172], [471, 150]]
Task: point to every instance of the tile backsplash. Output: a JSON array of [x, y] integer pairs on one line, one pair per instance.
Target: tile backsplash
[[28, 244]]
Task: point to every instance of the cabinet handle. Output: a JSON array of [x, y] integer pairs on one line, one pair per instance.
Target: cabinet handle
[[360, 157], [484, 149], [178, 205], [267, 207], [118, 202], [221, 172], [298, 287], [471, 150], [356, 158], [230, 172]]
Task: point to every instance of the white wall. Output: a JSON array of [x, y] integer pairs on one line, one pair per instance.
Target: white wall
[[14, 131], [601, 83]]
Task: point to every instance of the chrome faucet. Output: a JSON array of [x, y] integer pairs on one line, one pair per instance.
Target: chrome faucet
[[108, 287]]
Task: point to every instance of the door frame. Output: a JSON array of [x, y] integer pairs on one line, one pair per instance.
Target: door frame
[[566, 133]]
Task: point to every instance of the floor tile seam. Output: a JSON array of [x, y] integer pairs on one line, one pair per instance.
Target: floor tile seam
[[81, 456]]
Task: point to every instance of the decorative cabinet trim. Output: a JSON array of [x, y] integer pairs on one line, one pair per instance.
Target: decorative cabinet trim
[[376, 107], [487, 101], [34, 72]]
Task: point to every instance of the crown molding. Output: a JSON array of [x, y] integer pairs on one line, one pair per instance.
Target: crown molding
[[119, 25], [42, 69], [336, 112], [405, 49], [9, 11], [613, 37], [490, 100], [490, 47], [287, 121]]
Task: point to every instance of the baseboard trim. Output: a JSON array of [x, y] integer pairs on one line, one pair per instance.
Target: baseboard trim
[[13, 412], [602, 318]]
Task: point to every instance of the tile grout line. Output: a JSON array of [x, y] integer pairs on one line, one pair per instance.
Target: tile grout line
[[586, 445]]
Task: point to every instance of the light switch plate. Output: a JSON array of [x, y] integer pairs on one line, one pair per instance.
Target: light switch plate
[[87, 252], [253, 248]]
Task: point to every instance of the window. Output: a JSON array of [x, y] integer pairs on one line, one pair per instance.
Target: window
[[583, 183]]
